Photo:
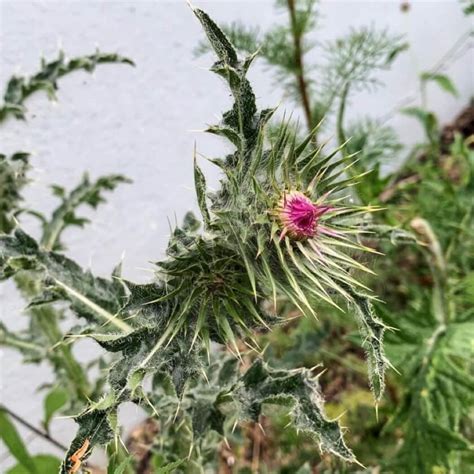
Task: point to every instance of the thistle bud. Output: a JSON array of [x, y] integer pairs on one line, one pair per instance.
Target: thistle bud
[[299, 216]]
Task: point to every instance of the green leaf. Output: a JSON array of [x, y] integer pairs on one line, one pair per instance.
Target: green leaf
[[96, 427], [54, 401], [218, 40], [169, 468], [238, 124], [439, 387], [119, 461], [44, 463], [442, 80], [20, 88], [88, 193], [427, 119], [95, 299], [14, 443], [296, 390], [372, 331]]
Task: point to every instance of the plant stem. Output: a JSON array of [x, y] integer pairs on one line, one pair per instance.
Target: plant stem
[[300, 77], [341, 135], [32, 428], [437, 264], [47, 319]]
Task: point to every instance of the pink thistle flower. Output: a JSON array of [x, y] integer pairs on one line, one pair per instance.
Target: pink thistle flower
[[299, 216]]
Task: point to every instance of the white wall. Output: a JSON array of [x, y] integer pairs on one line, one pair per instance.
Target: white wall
[[139, 121]]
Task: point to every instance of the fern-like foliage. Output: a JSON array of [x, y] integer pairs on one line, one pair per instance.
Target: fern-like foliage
[[19, 88], [354, 60], [259, 244], [348, 64]]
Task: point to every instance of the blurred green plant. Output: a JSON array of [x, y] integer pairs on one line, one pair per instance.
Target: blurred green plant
[[43, 339]]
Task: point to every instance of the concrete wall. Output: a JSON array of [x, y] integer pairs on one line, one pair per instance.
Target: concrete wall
[[139, 122]]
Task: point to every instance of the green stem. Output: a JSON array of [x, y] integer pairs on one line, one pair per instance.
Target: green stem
[[60, 355], [341, 135], [298, 57], [18, 343], [437, 264], [52, 230]]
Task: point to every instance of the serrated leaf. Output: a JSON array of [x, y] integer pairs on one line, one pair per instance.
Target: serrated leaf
[[297, 391], [95, 428], [88, 193], [94, 298], [20, 88], [13, 179], [372, 332], [218, 40]]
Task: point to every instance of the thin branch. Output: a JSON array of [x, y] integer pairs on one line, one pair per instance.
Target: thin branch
[[32, 428], [341, 136]]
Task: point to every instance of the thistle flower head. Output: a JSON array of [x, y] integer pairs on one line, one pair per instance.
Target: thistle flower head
[[299, 216]]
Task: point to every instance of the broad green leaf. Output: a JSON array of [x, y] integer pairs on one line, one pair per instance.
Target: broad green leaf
[[44, 464], [442, 80], [53, 402], [14, 443]]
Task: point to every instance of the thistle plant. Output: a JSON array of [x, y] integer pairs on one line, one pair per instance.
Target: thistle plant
[[281, 227], [289, 230]]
